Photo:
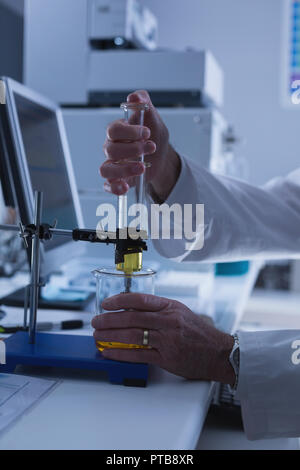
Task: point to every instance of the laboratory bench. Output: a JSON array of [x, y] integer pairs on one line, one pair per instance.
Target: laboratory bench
[[85, 411]]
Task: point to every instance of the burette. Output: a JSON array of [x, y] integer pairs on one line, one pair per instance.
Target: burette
[[132, 257]]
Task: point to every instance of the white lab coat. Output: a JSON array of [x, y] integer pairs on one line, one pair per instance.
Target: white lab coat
[[245, 222]]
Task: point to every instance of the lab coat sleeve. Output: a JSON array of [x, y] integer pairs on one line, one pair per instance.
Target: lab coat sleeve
[[269, 383], [241, 221]]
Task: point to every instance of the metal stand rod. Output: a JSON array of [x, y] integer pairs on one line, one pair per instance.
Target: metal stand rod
[[26, 300], [54, 231], [10, 228], [35, 267]]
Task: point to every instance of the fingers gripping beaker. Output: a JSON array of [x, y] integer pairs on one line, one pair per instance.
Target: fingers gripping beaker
[[111, 282]]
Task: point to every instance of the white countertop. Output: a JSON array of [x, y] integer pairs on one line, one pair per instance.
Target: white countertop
[[87, 412]]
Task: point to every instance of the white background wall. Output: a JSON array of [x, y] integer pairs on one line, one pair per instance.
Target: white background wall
[[246, 38]]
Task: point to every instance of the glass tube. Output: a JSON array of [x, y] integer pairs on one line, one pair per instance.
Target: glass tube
[[134, 113]]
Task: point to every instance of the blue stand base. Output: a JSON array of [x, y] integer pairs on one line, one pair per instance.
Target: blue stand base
[[71, 351]]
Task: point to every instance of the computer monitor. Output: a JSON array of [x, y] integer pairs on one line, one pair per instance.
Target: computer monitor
[[35, 155]]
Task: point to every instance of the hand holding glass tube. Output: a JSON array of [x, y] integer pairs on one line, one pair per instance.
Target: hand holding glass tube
[[128, 141]]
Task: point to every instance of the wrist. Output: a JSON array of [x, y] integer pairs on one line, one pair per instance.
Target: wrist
[[224, 370], [162, 185]]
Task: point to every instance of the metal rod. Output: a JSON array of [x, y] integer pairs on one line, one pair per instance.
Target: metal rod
[[10, 228], [26, 299], [64, 233], [127, 283], [54, 231], [35, 267]]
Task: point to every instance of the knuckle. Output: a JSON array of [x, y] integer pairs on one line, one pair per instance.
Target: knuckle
[[112, 151], [104, 149], [113, 130], [96, 322], [108, 146], [177, 305], [96, 335], [177, 321], [145, 300], [136, 149], [103, 171]]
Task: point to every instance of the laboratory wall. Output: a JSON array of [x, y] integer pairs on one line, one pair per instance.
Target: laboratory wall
[[246, 38], [11, 38]]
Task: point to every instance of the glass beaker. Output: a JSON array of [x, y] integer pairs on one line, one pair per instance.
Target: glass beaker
[[110, 282]]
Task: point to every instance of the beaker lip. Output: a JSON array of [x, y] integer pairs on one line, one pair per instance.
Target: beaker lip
[[113, 272], [141, 106]]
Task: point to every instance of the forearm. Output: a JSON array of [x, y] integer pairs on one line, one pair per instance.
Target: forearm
[[241, 221]]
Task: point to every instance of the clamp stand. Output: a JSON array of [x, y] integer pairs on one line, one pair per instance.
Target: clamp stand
[[56, 350]]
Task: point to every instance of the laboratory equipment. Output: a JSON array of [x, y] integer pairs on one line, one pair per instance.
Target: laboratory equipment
[[34, 154], [92, 75], [196, 133], [231, 162], [114, 24], [43, 349], [129, 260], [236, 166], [128, 275], [111, 282], [63, 64], [48, 46], [187, 78], [60, 350]]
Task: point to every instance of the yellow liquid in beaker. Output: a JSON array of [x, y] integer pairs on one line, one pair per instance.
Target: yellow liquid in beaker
[[101, 345]]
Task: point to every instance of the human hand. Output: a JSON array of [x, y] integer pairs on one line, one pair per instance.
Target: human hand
[[128, 142], [180, 341]]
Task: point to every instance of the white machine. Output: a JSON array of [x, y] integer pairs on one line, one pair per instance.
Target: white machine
[[186, 78], [78, 53], [61, 35], [121, 23]]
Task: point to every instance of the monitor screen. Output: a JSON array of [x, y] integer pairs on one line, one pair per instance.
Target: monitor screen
[[46, 164]]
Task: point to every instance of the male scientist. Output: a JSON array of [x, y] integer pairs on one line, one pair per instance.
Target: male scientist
[[241, 222]]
